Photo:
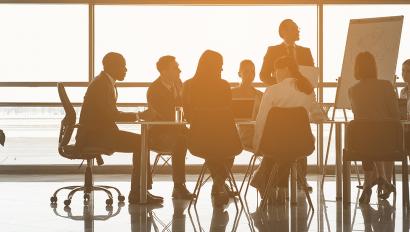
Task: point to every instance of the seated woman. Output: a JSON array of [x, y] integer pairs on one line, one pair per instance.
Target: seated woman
[[246, 90], [212, 135], [373, 99], [292, 90]]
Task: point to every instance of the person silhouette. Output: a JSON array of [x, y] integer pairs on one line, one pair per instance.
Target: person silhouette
[[98, 118], [163, 95], [289, 32]]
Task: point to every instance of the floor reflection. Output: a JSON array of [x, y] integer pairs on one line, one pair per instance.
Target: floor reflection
[[34, 213], [381, 218], [87, 216]]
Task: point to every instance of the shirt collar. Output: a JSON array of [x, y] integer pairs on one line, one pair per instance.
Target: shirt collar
[[167, 85], [110, 78], [288, 45]]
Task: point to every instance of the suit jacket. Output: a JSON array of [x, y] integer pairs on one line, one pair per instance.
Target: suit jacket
[[99, 114], [374, 100], [161, 107], [267, 74]]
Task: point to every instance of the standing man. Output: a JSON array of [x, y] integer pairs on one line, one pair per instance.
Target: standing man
[[289, 32], [163, 95], [98, 118]]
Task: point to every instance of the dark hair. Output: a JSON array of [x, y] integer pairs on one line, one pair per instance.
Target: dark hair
[[302, 83], [112, 59], [209, 65], [283, 26], [365, 66], [164, 62], [244, 63], [406, 62]]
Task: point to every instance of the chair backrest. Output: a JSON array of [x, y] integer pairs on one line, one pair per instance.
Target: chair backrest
[[68, 122], [213, 133], [374, 140], [287, 135]]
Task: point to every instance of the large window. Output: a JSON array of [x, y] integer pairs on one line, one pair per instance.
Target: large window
[[145, 33], [44, 42], [50, 43], [39, 43]]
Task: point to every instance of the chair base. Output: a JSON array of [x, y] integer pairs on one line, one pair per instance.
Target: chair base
[[87, 189]]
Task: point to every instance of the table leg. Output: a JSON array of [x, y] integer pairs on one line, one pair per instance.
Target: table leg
[[338, 139], [143, 163], [293, 181], [346, 183]]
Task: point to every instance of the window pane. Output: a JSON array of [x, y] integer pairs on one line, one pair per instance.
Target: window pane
[[44, 42], [145, 33]]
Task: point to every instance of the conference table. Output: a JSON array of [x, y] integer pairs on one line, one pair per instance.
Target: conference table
[[338, 124], [145, 151]]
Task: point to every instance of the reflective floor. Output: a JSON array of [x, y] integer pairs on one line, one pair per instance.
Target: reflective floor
[[25, 206]]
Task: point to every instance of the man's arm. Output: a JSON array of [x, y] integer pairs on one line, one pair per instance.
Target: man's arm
[[156, 105], [310, 61], [106, 103], [268, 68]]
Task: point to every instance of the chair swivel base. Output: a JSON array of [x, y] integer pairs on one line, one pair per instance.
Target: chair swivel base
[[87, 189], [74, 189]]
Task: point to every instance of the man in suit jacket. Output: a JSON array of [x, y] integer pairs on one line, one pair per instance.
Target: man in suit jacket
[[99, 115], [163, 95], [289, 32]]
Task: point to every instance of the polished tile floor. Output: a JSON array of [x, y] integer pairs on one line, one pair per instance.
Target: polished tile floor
[[25, 206]]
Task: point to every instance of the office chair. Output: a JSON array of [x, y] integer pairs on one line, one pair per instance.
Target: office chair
[[367, 140], [213, 135], [165, 156], [286, 137], [70, 151]]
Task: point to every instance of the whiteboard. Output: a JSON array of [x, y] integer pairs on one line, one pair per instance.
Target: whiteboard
[[379, 36]]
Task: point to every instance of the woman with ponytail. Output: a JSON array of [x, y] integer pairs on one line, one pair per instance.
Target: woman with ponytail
[[292, 90]]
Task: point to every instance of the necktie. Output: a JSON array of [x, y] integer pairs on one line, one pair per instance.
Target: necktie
[[291, 51]]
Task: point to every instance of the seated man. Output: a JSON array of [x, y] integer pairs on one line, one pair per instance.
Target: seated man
[[163, 95], [246, 90], [98, 118]]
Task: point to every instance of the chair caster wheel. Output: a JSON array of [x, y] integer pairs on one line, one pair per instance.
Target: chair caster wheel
[[109, 201], [67, 202], [67, 209], [121, 198], [53, 199], [109, 208]]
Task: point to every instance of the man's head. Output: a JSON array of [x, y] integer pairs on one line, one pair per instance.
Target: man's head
[[289, 31], [114, 64], [405, 71], [168, 68], [247, 71]]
